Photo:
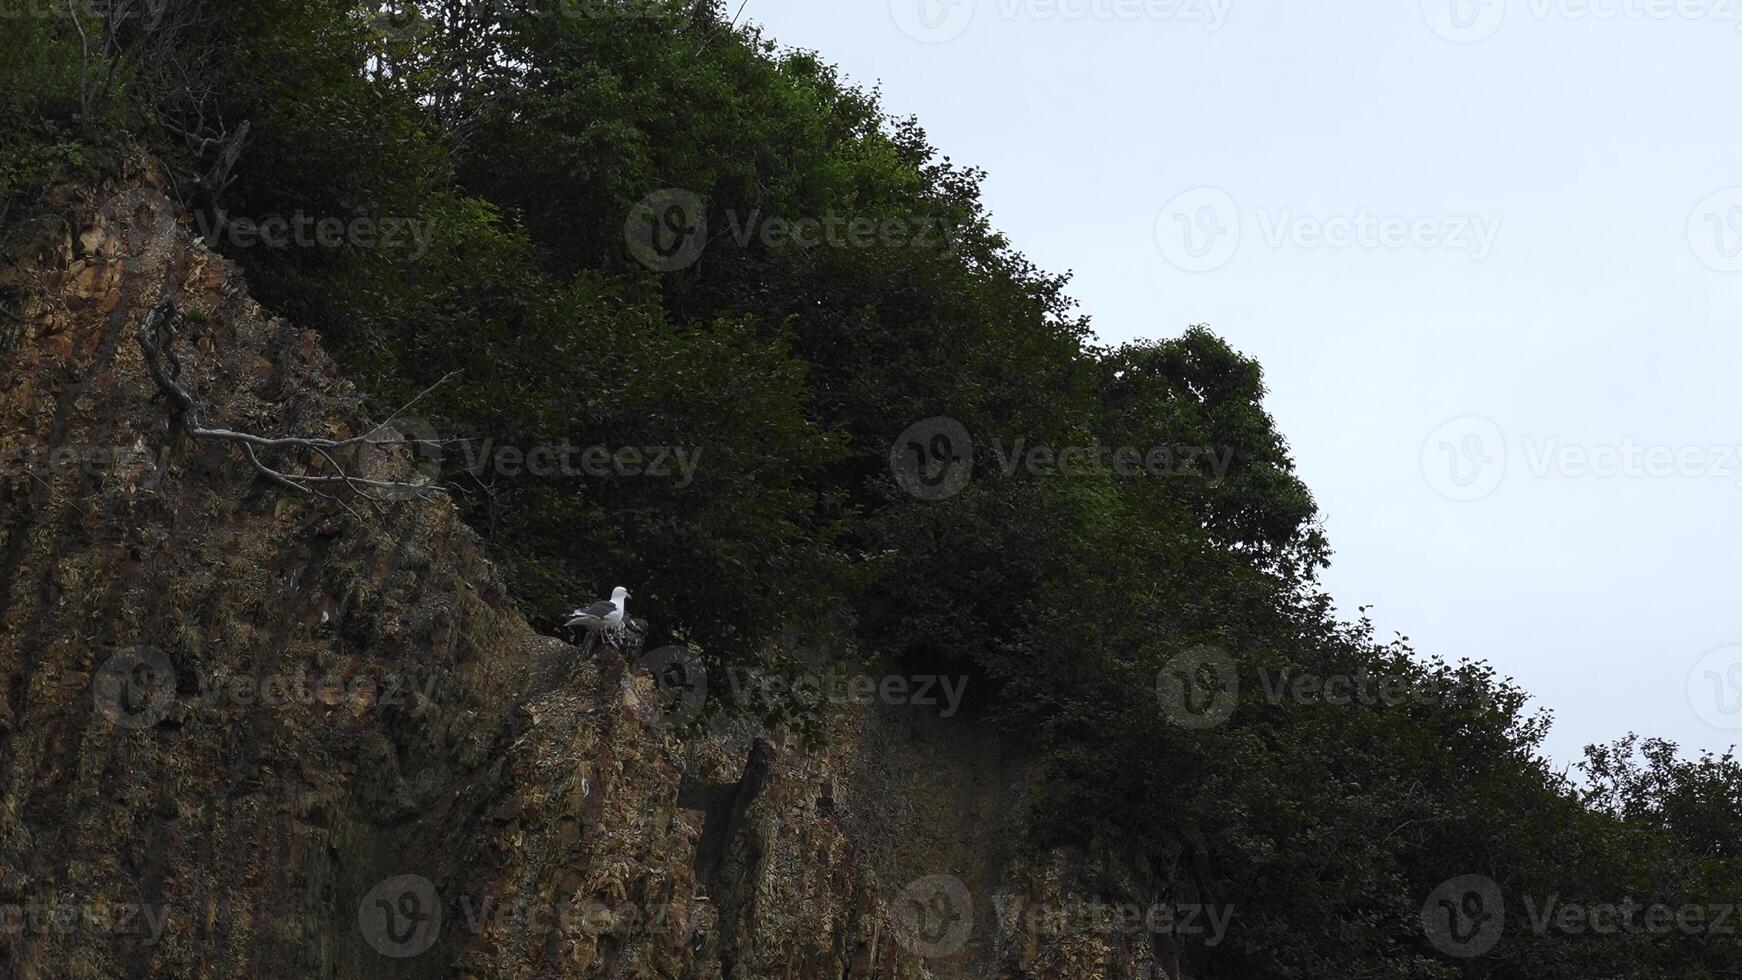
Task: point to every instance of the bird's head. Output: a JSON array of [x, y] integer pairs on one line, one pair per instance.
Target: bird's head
[[619, 594]]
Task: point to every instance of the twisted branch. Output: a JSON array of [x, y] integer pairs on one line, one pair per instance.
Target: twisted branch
[[157, 336]]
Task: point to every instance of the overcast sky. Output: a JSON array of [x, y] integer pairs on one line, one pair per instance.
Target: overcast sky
[[1489, 254]]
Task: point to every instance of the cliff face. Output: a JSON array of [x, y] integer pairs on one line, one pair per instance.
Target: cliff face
[[245, 733]]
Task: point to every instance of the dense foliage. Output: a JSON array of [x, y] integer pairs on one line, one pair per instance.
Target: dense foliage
[[597, 220]]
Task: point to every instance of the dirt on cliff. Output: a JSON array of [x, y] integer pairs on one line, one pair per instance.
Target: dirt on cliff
[[245, 731]]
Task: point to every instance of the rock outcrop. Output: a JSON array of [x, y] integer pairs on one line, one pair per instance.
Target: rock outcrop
[[245, 733]]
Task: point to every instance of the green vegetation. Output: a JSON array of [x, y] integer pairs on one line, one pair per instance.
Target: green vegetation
[[522, 142]]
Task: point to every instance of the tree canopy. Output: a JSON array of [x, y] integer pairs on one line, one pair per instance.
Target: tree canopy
[[647, 231]]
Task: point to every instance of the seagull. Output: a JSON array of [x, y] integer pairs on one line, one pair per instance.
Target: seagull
[[605, 616]]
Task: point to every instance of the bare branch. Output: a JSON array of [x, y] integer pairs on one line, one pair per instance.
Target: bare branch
[[157, 335]]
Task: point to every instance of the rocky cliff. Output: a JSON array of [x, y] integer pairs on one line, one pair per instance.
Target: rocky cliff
[[247, 731]]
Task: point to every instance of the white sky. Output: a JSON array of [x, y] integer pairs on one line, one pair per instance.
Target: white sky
[[1586, 139]]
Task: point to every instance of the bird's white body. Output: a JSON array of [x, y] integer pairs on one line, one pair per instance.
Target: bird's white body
[[602, 616]]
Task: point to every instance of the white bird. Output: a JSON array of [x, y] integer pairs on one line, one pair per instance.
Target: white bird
[[604, 616]]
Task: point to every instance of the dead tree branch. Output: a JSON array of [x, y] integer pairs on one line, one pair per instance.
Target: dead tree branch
[[157, 336]]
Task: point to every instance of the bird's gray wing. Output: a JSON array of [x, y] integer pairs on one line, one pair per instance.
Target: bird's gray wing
[[598, 610]]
